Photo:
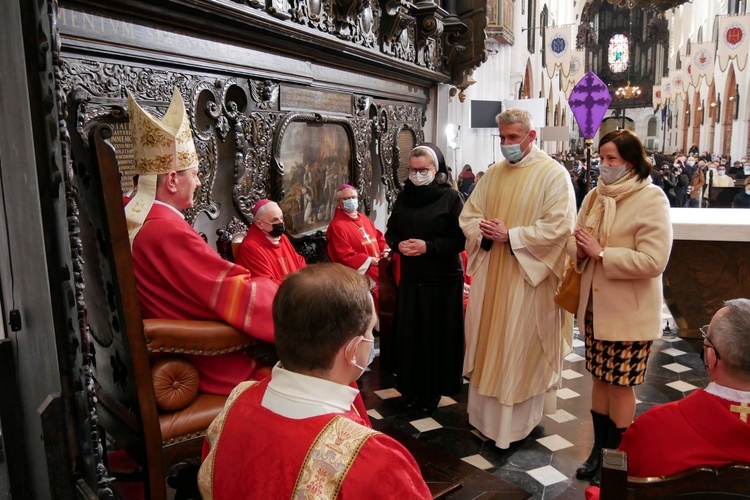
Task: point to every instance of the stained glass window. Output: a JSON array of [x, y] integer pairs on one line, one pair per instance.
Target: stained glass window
[[618, 55]]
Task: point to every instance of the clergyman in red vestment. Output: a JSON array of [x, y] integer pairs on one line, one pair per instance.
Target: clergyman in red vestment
[[178, 275], [708, 427], [297, 433], [266, 250], [353, 240]]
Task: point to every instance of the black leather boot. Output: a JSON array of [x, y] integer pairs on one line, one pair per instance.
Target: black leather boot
[[614, 437], [601, 426]]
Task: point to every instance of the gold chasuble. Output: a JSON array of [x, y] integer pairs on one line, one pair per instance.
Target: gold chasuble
[[514, 341]]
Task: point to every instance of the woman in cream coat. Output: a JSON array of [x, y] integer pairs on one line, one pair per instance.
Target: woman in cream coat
[[620, 246]]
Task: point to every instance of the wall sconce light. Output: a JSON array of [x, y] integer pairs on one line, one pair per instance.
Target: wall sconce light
[[451, 132], [718, 108], [735, 102]]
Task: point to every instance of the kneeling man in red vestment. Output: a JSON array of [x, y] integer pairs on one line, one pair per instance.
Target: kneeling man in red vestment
[[266, 250], [710, 426], [297, 434]]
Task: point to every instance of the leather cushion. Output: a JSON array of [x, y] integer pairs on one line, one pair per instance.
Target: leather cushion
[[175, 382], [192, 421], [206, 338]]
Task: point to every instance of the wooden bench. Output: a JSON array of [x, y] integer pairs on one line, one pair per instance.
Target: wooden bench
[[704, 482]]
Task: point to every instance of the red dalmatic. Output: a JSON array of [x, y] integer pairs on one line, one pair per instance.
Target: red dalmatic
[[262, 257]]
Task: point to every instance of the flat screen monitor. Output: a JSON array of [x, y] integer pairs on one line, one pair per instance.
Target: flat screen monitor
[[483, 113]]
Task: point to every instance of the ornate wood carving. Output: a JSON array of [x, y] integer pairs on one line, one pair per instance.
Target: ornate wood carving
[[87, 451], [399, 33], [391, 120], [358, 21], [253, 136], [99, 92]]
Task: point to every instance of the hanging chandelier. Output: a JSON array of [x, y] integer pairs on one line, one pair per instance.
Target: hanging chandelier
[[628, 92], [657, 5]]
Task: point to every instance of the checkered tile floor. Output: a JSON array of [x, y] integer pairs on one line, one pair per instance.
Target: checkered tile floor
[[545, 462]]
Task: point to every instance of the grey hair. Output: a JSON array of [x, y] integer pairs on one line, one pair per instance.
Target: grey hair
[[731, 336], [515, 115]]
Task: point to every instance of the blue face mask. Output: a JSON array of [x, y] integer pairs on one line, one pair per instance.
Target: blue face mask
[[350, 205], [512, 152]]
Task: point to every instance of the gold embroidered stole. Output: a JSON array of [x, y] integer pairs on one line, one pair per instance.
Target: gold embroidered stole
[[329, 459], [213, 433]]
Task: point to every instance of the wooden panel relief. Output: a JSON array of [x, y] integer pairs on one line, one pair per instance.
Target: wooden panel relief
[[397, 126]]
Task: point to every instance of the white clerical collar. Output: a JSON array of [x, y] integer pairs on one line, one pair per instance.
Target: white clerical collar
[[157, 202], [297, 396], [728, 393]]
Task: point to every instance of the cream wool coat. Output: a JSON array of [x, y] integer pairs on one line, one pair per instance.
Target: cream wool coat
[[627, 283]]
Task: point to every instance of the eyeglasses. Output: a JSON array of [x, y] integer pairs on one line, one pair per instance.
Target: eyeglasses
[[422, 171], [704, 333]]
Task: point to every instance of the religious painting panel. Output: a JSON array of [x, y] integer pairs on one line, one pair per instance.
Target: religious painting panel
[[314, 160]]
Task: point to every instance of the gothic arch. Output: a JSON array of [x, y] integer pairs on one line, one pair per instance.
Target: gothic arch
[[528, 82], [697, 117], [712, 105], [728, 111]]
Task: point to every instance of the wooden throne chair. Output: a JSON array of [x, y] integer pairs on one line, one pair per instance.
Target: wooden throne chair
[[146, 391]]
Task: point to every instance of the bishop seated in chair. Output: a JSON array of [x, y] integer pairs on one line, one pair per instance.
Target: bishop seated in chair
[[266, 250], [178, 275]]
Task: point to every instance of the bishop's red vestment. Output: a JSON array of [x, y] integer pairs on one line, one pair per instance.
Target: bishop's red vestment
[[252, 452], [179, 276], [262, 257], [700, 429], [353, 241]]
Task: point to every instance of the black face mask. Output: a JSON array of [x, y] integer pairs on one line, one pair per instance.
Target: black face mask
[[278, 230]]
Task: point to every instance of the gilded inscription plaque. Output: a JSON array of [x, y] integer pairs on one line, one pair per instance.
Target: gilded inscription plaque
[[124, 151], [303, 99]]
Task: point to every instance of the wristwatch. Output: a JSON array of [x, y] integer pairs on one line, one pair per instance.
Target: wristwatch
[[601, 254]]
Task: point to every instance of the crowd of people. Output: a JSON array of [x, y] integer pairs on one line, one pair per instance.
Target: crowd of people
[[687, 180], [519, 226]]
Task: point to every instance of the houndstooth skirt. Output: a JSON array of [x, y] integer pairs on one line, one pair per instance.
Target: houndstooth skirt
[[615, 362]]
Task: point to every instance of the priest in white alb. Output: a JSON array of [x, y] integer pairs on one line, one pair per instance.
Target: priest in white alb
[[516, 223]]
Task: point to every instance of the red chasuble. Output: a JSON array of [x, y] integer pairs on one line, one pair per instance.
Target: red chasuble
[[264, 258], [701, 429], [256, 453], [352, 240], [180, 277]]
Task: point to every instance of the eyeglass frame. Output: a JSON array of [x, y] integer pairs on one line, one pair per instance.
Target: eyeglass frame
[[421, 170], [704, 333]]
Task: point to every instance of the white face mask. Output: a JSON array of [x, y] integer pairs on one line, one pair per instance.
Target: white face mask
[[721, 172], [370, 358], [747, 191], [422, 179], [610, 175]]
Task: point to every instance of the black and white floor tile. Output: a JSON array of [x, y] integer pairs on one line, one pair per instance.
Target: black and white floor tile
[[545, 462]]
